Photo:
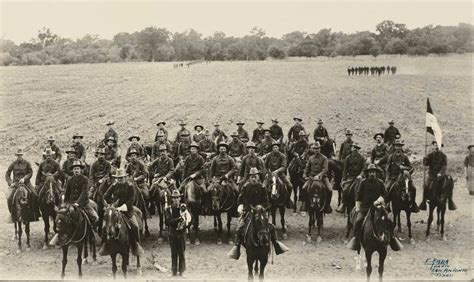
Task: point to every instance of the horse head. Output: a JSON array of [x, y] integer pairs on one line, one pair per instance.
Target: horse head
[[66, 220], [382, 225], [315, 193], [217, 193], [112, 222], [261, 226]]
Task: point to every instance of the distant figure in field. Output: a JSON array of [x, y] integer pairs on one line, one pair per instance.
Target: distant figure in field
[[394, 70]]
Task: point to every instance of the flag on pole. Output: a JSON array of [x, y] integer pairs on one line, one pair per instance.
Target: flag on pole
[[432, 125]]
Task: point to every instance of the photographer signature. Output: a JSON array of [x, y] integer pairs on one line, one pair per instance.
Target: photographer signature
[[440, 267]]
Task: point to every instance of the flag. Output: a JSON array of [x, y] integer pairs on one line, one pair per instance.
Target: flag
[[432, 125]]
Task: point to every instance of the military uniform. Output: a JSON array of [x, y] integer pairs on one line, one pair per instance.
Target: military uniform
[[257, 135], [180, 133], [265, 146], [111, 133], [165, 132], [76, 191], [300, 147], [21, 169], [317, 165], [236, 148], [249, 161], [390, 135], [276, 161], [243, 135], [141, 153], [47, 167], [155, 152], [437, 163], [176, 239], [184, 148], [80, 151], [194, 163], [197, 137], [100, 171], [218, 136], [57, 152], [345, 149], [221, 165], [379, 152], [319, 133], [276, 132], [112, 156], [207, 146], [137, 170], [161, 166], [293, 133]]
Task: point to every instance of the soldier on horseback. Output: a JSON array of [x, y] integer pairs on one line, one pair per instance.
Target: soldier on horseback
[[194, 166], [99, 174], [162, 130], [22, 173], [242, 133], [163, 165], [223, 166], [397, 163], [316, 169], [253, 193], [218, 135], [111, 153], [136, 146], [183, 131], [184, 146], [137, 169], [346, 146], [371, 192], [79, 147], [265, 146], [379, 152], [320, 133], [121, 195], [55, 149], [257, 135], [275, 163], [250, 161], [160, 140], [110, 133], [48, 167], [276, 131], [300, 147], [354, 165], [199, 135], [236, 146], [207, 148], [390, 133], [293, 133], [436, 161], [67, 165]]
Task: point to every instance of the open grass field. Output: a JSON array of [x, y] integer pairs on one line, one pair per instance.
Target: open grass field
[[40, 101]]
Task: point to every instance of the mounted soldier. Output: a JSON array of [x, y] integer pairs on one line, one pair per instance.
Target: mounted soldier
[[390, 133], [137, 169], [194, 165], [316, 170], [162, 166], [266, 144], [135, 145], [371, 192], [100, 172], [276, 131], [223, 166], [207, 148], [111, 153], [249, 161], [184, 147], [300, 147], [236, 146], [436, 161], [379, 152], [257, 135], [121, 195], [160, 140], [354, 165], [182, 132], [275, 163], [218, 135], [22, 173], [293, 133], [57, 152], [397, 163], [253, 193], [199, 135], [48, 167], [320, 133], [110, 133], [161, 129], [242, 133], [79, 147], [346, 146], [67, 164]]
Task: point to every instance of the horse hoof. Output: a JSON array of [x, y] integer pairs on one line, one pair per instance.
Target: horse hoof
[[197, 243], [45, 246], [428, 239], [28, 249], [139, 271], [284, 236], [412, 241], [319, 239], [358, 267]]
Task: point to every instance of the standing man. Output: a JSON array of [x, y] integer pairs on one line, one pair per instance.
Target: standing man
[[320, 133], [276, 131], [182, 132], [199, 135], [243, 134], [468, 167], [22, 173], [257, 135], [436, 161], [236, 146], [162, 129], [390, 133], [354, 165], [218, 135], [110, 133], [80, 149], [55, 149], [346, 146], [293, 133], [176, 231]]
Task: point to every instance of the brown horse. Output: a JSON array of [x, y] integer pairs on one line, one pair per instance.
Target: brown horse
[[223, 199], [278, 195], [160, 198], [315, 201], [437, 197], [22, 213], [48, 200]]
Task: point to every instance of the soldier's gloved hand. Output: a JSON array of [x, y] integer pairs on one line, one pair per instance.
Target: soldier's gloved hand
[[75, 204], [22, 181], [192, 176], [359, 177], [240, 208], [100, 181], [316, 178], [376, 162], [439, 174]]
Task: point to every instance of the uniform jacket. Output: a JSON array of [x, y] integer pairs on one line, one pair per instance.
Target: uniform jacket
[[276, 132], [319, 133], [20, 169], [249, 161], [47, 167], [345, 149], [369, 191], [192, 164], [243, 135], [257, 135], [253, 195], [77, 190], [119, 194], [137, 169], [276, 161], [221, 165], [100, 169], [354, 165], [236, 148], [80, 151], [265, 146], [390, 133], [379, 152], [436, 162], [317, 165], [161, 165], [293, 133]]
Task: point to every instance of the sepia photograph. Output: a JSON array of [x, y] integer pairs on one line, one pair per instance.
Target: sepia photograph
[[236, 140]]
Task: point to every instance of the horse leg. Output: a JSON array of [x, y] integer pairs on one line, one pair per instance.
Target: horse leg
[[408, 215], [399, 222], [125, 258], [310, 224], [250, 267], [219, 228], [196, 230], [368, 258], [15, 237], [139, 267], [295, 197], [20, 232], [46, 230], [113, 256], [215, 223], [443, 211], [79, 259], [27, 231], [55, 230], [430, 220], [229, 220], [283, 223], [438, 221], [348, 226], [320, 226], [86, 251], [263, 264], [147, 232], [382, 256], [273, 211], [63, 271], [256, 266]]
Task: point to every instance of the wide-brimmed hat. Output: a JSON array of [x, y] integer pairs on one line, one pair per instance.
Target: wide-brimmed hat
[[378, 134], [50, 138], [182, 122], [160, 134], [267, 130], [19, 152], [224, 144], [320, 121], [120, 172], [372, 167], [434, 142], [217, 123], [234, 134], [398, 142], [185, 133], [77, 163], [301, 133], [71, 150], [275, 120], [316, 145], [160, 122], [206, 132], [134, 136], [348, 132], [253, 171], [175, 194], [132, 151], [240, 123], [194, 144], [275, 143], [469, 147], [162, 147], [295, 118], [391, 122], [198, 125], [250, 144], [110, 122], [260, 122], [48, 152], [100, 150], [77, 135], [356, 145]]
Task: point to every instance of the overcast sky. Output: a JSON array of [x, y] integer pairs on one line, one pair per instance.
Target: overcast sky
[[20, 21]]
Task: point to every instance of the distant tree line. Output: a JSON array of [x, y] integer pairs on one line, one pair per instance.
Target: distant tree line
[[154, 44]]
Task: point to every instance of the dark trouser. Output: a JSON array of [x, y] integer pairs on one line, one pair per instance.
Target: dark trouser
[[144, 190], [359, 219], [91, 213], [177, 245]]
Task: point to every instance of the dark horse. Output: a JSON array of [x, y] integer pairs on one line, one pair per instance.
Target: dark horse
[[193, 197], [22, 213], [117, 238], [160, 198], [257, 241], [401, 201], [278, 195], [315, 201], [328, 148], [296, 170], [375, 237], [350, 203], [98, 198], [74, 228], [140, 202], [48, 200], [335, 168], [437, 197], [223, 199]]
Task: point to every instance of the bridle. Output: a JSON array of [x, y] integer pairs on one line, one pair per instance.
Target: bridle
[[69, 223]]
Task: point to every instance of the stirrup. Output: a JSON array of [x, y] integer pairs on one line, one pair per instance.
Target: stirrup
[[280, 248], [354, 244], [103, 250], [451, 205], [423, 205], [234, 253], [54, 240]]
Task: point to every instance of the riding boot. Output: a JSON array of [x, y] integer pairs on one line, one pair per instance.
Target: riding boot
[[235, 251], [280, 248], [327, 205], [395, 244]]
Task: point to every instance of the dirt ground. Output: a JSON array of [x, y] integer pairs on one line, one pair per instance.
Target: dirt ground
[[39, 101]]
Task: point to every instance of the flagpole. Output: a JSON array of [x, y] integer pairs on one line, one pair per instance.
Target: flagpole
[[426, 141]]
